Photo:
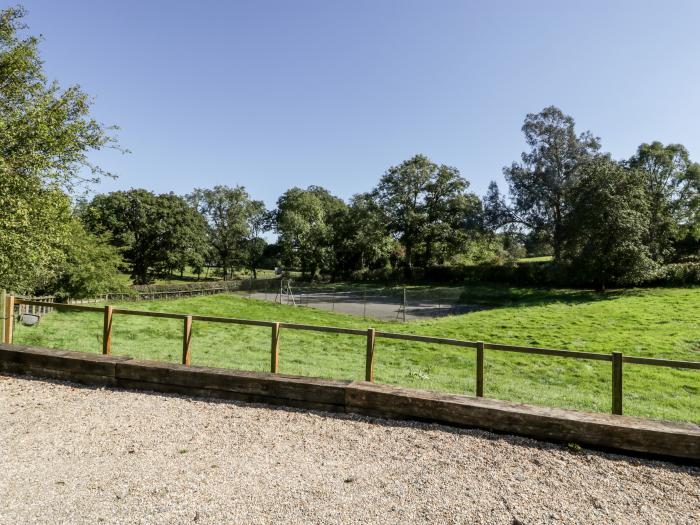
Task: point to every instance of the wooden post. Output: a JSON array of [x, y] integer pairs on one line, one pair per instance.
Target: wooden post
[[187, 341], [275, 349], [480, 369], [9, 317], [404, 305], [369, 361], [3, 298], [617, 383], [107, 331]]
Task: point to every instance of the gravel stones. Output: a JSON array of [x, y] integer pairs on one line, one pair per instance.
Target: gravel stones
[[76, 454]]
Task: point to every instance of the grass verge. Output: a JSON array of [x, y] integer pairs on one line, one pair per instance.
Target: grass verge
[[660, 322]]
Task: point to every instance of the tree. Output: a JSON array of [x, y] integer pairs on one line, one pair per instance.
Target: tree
[[157, 233], [672, 183], [306, 221], [607, 226], [540, 184], [425, 204], [91, 267], [45, 136], [234, 224], [259, 222], [362, 241]]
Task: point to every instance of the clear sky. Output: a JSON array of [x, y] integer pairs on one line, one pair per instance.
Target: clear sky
[[275, 94]]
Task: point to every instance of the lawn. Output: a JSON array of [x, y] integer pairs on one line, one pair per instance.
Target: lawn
[[661, 322]]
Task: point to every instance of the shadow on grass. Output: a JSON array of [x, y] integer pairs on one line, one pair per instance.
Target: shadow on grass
[[496, 295]]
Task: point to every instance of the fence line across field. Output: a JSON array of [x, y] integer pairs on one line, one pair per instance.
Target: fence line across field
[[617, 359]]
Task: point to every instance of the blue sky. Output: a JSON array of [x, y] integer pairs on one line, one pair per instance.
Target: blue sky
[[275, 94]]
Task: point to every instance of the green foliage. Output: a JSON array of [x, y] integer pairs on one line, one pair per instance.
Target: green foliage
[[91, 267], [307, 222], [34, 231], [45, 136], [427, 208], [234, 225], [672, 184], [157, 233], [607, 225], [540, 185], [362, 242], [550, 318]]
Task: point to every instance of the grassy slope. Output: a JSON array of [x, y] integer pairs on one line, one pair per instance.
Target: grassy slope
[[653, 322]]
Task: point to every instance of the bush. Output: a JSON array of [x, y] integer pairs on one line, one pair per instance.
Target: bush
[[678, 274], [525, 274]]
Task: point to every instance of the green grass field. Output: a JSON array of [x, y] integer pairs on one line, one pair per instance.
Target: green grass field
[[662, 322]]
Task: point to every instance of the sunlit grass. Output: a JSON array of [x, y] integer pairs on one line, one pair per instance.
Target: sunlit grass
[[662, 322]]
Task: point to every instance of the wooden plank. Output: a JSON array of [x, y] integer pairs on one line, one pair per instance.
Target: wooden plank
[[9, 317], [624, 433], [480, 369], [61, 306], [3, 299], [427, 339], [617, 383], [260, 384], [145, 313], [327, 329], [43, 358], [549, 351], [275, 349], [231, 320], [187, 341], [107, 331], [551, 424], [653, 361], [369, 359]]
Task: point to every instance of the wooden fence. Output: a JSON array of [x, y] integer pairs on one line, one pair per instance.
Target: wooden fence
[[617, 359]]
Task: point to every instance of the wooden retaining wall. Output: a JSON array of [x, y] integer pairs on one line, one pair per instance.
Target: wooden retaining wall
[[622, 433]]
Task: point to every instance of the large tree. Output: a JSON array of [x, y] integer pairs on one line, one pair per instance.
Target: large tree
[[362, 241], [46, 134], [306, 221], [607, 226], [540, 184], [157, 233], [234, 224], [259, 222], [424, 205], [672, 183]]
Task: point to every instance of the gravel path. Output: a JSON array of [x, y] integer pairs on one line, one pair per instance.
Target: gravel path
[[74, 454]]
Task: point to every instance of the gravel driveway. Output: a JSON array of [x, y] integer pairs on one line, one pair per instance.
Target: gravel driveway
[[74, 454]]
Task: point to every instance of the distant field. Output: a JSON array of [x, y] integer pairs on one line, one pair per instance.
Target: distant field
[[542, 258], [662, 322]]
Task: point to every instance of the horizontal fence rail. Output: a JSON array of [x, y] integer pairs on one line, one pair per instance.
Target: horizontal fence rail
[[615, 358]]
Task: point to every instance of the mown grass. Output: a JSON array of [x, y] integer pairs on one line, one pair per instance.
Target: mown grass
[[662, 322]]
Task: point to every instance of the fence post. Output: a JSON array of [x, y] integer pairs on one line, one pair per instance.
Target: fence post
[[404, 305], [9, 317], [3, 298], [369, 361], [617, 383], [480, 369], [107, 331], [186, 341], [275, 349]]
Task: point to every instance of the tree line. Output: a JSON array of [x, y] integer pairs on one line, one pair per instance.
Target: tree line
[[603, 221]]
